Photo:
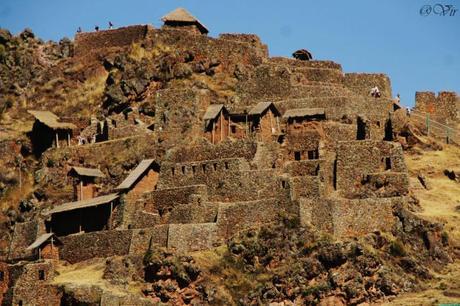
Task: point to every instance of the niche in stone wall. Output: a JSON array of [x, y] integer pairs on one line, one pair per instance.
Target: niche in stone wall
[[388, 131], [297, 155], [387, 163], [362, 129], [313, 154]]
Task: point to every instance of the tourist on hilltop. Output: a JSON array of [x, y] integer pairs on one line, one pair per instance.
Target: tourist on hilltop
[[110, 25], [398, 99], [79, 30], [96, 28], [375, 92]]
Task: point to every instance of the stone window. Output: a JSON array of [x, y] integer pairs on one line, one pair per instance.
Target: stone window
[[41, 274], [2, 276], [20, 303], [215, 166], [233, 129], [361, 130], [313, 154], [283, 184], [297, 155], [226, 165], [183, 169], [387, 163], [193, 169], [204, 168], [173, 171]]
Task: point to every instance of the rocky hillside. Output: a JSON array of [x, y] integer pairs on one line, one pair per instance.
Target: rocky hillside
[[280, 263]]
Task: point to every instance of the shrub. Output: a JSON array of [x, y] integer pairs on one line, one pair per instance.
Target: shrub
[[445, 238], [397, 249]]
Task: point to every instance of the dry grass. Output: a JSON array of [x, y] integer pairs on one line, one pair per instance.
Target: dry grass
[[16, 194], [84, 273], [88, 96], [438, 204], [229, 279], [90, 273]]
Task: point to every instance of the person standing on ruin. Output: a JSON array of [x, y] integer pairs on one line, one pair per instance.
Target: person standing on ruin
[[398, 99], [96, 28], [110, 25], [375, 92], [79, 30]]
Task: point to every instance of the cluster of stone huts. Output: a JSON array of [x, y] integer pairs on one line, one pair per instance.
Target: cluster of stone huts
[[304, 138]]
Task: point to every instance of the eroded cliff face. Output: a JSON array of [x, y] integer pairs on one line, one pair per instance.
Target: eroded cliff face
[[319, 211]]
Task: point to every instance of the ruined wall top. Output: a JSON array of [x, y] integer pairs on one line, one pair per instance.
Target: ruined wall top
[[88, 42], [445, 107]]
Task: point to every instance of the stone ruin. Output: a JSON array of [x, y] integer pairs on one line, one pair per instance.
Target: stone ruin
[[298, 137], [443, 108]]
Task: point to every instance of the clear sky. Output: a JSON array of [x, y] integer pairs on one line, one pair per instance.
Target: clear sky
[[417, 52]]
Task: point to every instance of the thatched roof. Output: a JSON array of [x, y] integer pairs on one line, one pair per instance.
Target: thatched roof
[[87, 172], [83, 203], [181, 15], [302, 54], [303, 112], [213, 111], [51, 120], [135, 174], [261, 107], [42, 239]]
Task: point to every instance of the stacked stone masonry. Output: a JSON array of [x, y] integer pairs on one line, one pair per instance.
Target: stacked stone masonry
[[334, 171]]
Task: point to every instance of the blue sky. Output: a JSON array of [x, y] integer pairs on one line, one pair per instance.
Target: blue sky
[[417, 52]]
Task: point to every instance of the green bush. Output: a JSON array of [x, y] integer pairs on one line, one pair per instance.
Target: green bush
[[445, 238], [397, 249]]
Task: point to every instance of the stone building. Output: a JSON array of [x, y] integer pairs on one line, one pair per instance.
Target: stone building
[[265, 121], [180, 18], [297, 119], [217, 123], [239, 125], [444, 108], [144, 178], [83, 216], [84, 182], [46, 246], [48, 131]]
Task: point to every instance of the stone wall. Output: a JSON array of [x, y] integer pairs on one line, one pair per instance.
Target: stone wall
[[358, 159], [351, 218], [442, 108], [24, 235], [180, 112], [153, 237], [187, 204], [203, 151], [5, 281], [234, 217], [193, 237], [230, 50], [305, 186], [29, 285], [265, 82], [222, 177], [304, 167], [81, 247], [305, 64], [362, 83], [88, 42]]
